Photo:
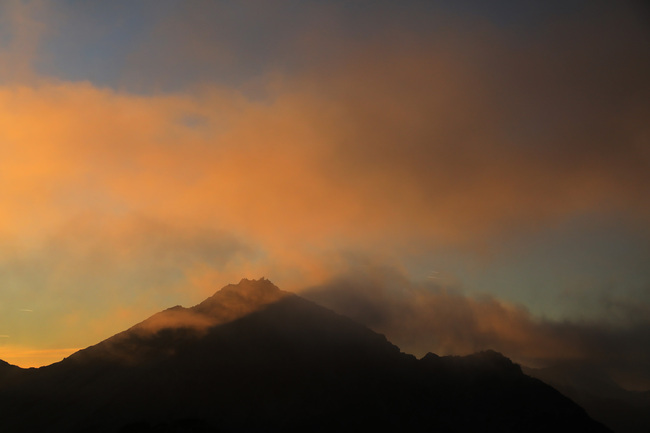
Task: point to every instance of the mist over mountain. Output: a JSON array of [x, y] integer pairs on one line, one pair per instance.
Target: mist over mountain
[[255, 358]]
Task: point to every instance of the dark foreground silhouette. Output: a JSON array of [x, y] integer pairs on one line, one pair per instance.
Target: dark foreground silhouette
[[253, 358]]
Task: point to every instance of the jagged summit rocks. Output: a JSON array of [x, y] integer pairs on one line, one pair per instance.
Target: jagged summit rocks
[[230, 303], [254, 358], [236, 300]]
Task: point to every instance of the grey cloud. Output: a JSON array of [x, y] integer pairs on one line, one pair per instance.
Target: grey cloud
[[426, 317]]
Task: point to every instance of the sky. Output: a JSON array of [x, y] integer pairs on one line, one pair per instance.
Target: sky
[[457, 175]]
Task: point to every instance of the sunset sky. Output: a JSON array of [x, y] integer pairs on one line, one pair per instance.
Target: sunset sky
[[457, 175]]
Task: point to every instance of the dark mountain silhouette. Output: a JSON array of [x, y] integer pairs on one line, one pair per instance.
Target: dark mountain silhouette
[[604, 400], [8, 371], [255, 358]]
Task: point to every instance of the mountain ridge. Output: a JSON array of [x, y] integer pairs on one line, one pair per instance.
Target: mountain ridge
[[269, 360]]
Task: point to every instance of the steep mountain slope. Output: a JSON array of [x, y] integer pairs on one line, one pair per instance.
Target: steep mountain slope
[[622, 410], [254, 358], [164, 333]]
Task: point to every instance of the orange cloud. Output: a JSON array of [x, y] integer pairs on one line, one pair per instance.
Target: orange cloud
[[353, 169], [449, 136]]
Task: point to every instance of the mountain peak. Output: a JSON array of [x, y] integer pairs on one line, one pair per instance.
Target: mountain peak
[[230, 303], [250, 287], [236, 300], [157, 334]]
